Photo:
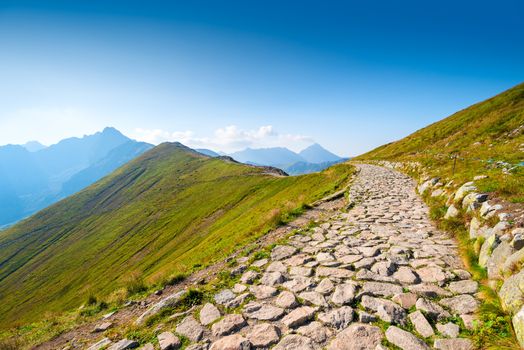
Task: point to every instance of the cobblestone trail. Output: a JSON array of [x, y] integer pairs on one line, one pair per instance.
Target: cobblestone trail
[[378, 275]]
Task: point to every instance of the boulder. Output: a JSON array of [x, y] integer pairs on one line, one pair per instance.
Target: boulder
[[512, 293], [487, 248], [286, 300], [518, 326], [497, 259], [463, 191]]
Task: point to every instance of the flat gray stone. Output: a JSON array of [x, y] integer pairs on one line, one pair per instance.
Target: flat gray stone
[[168, 341], [461, 304], [264, 335], [381, 289], [228, 324], [281, 252], [463, 287], [338, 318], [422, 326], [224, 296], [263, 292], [449, 329], [344, 294], [209, 314], [286, 300], [190, 329], [358, 336], [405, 340], [387, 310], [294, 342], [299, 316], [433, 310], [232, 342]]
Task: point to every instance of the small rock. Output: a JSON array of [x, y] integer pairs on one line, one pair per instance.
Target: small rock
[[315, 331], [286, 300], [264, 335], [224, 296], [344, 294], [464, 287], [102, 327], [406, 300], [314, 298], [421, 325], [263, 292], [168, 341], [451, 212], [264, 312], [433, 310], [449, 329], [518, 240], [281, 252], [228, 324], [294, 342], [387, 310], [381, 289], [406, 276], [337, 318], [209, 314], [239, 288], [405, 340], [191, 329], [461, 304], [358, 336], [231, 342], [124, 344], [325, 286], [249, 277], [272, 278], [299, 316], [100, 344]]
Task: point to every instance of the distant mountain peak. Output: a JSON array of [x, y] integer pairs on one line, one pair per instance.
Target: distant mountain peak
[[33, 146], [318, 154]]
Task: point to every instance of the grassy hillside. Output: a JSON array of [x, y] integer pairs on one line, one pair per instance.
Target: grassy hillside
[[166, 212], [479, 136]]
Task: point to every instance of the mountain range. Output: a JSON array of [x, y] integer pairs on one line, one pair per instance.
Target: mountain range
[[313, 158], [34, 176]]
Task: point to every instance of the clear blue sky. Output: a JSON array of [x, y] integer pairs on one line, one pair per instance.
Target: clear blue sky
[[350, 75]]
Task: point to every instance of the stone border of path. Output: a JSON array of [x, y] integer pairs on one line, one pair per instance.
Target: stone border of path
[[501, 245]]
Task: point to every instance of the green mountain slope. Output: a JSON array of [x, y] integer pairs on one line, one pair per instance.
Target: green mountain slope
[[162, 213], [479, 136]]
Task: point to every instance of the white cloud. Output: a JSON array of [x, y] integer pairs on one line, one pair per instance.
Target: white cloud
[[227, 139]]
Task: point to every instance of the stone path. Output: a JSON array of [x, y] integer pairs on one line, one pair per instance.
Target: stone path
[[377, 276]]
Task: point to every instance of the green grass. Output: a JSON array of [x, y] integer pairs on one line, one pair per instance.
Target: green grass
[[152, 220], [478, 136]]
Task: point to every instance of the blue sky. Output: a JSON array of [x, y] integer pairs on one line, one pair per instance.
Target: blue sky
[[350, 75]]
